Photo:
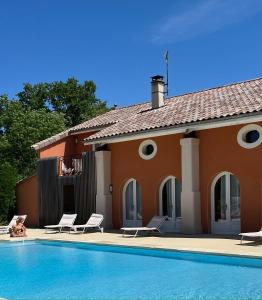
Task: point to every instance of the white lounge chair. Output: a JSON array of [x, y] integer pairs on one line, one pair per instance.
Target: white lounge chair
[[93, 222], [5, 229], [154, 225], [66, 221], [251, 234]]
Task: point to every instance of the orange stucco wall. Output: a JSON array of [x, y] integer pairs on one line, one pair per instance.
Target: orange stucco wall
[[126, 164], [67, 146], [219, 151], [27, 200]]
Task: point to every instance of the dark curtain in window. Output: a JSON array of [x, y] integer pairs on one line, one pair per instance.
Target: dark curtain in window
[[49, 206], [51, 189]]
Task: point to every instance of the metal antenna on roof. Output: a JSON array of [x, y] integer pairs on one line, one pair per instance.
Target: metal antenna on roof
[[166, 61]]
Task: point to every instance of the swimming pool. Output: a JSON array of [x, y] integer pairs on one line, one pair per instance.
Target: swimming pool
[[63, 270]]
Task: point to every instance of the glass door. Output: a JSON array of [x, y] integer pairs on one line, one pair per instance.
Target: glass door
[[225, 204], [170, 204], [132, 204]]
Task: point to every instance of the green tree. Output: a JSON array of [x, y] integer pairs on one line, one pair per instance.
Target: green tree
[[8, 179], [35, 96], [76, 101], [4, 144], [40, 111], [21, 129]]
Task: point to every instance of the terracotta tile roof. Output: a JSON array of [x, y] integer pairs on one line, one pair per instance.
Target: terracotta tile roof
[[99, 122], [50, 140], [111, 117], [220, 102]]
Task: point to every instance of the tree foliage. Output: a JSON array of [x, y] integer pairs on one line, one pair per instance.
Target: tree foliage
[[76, 101], [23, 128], [8, 179], [40, 111]]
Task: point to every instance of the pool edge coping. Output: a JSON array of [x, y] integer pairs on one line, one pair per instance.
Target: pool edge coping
[[152, 248], [208, 252]]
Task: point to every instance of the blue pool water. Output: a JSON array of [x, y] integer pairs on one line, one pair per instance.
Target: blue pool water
[[56, 270]]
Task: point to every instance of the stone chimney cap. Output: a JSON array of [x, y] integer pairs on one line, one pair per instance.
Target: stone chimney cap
[[157, 78]]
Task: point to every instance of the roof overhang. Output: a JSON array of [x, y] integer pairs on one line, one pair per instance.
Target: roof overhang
[[181, 128], [86, 130], [60, 136]]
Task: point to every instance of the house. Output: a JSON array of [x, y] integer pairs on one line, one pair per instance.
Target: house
[[195, 158]]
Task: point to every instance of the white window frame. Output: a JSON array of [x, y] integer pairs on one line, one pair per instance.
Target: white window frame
[[142, 147], [172, 193], [228, 225], [242, 134], [134, 221], [173, 224]]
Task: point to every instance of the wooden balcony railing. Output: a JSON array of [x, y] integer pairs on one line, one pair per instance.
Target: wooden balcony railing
[[70, 165]]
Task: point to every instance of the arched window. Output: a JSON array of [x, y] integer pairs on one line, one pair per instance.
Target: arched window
[[170, 198], [225, 203], [132, 203]]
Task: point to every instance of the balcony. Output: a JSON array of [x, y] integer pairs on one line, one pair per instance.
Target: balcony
[[70, 165]]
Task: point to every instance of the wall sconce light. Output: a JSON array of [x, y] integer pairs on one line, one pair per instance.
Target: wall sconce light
[[76, 140], [111, 188]]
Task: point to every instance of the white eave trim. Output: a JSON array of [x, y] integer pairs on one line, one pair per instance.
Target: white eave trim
[[182, 128]]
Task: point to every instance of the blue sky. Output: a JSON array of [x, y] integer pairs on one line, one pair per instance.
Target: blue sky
[[119, 44]]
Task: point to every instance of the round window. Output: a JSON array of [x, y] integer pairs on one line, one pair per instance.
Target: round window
[[250, 136], [147, 149]]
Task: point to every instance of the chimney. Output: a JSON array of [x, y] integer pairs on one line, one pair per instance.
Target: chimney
[[158, 91]]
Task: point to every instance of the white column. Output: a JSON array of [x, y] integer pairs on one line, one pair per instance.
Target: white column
[[190, 196], [103, 181]]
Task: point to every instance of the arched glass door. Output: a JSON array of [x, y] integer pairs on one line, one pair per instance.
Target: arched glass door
[[132, 204], [225, 206], [170, 204]]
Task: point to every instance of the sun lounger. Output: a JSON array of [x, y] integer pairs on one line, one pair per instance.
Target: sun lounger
[[5, 229], [66, 222], [93, 222], [251, 234], [154, 225]]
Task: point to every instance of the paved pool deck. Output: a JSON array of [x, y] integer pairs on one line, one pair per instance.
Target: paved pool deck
[[203, 243]]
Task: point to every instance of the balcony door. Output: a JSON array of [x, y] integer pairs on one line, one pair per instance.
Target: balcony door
[[170, 204], [132, 204], [225, 204]]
